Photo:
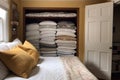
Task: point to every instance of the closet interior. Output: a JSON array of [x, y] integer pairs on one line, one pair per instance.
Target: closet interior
[[53, 31], [116, 41]]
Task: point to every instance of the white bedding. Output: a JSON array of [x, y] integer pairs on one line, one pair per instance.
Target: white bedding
[[54, 68], [51, 68]]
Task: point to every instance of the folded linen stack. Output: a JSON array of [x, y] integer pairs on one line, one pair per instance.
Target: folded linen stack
[[47, 38], [32, 34], [66, 38]]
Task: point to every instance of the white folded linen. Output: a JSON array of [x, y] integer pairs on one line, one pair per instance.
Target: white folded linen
[[48, 49], [32, 26], [66, 23], [47, 23], [46, 35], [47, 29], [35, 37], [48, 38], [36, 41], [32, 33], [66, 30], [47, 32], [66, 50], [49, 55], [65, 33], [51, 14], [47, 26], [48, 52], [64, 42], [46, 42], [67, 47]]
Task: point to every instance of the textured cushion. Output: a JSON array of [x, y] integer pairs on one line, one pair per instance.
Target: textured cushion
[[18, 61]]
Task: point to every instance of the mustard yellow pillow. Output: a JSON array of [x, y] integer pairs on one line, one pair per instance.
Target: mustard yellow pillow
[[33, 53], [29, 45], [31, 50], [18, 61]]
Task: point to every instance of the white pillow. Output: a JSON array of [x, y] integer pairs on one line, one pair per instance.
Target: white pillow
[[14, 43], [3, 46], [48, 23]]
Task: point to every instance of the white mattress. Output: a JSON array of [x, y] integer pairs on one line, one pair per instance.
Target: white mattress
[[50, 68]]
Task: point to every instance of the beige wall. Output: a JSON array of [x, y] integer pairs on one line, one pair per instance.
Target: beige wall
[[61, 4]]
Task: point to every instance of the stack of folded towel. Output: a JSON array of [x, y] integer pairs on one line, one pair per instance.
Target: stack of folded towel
[[32, 34], [47, 38], [66, 38]]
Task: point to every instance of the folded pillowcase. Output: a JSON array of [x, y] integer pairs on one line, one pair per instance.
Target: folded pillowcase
[[18, 61]]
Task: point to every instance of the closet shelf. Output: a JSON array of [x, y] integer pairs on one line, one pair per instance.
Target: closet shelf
[[65, 17]]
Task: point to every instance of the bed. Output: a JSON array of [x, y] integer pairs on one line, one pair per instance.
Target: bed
[[58, 68], [48, 68]]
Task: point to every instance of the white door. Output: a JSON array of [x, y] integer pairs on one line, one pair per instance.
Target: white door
[[98, 39]]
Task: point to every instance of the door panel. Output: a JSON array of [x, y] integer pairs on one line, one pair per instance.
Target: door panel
[[98, 39]]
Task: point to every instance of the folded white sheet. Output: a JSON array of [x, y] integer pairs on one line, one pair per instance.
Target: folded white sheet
[[66, 30], [47, 23], [34, 37], [47, 26], [33, 26], [32, 33], [47, 35], [47, 29], [65, 42], [65, 33]]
